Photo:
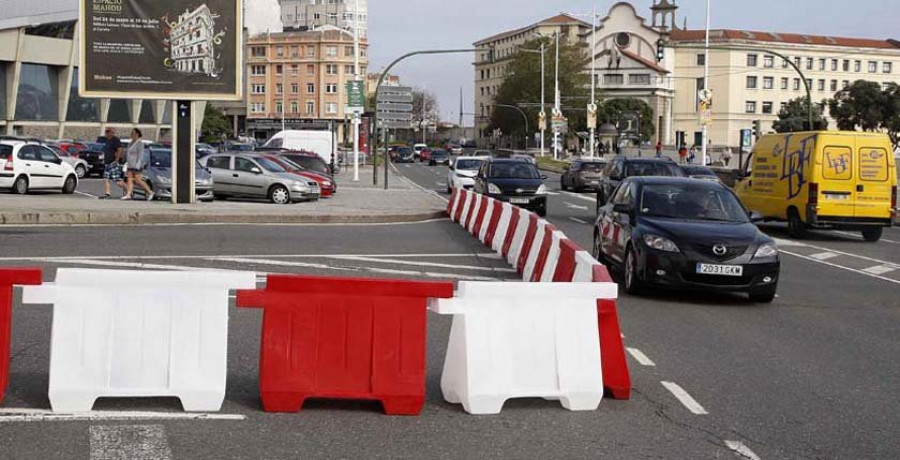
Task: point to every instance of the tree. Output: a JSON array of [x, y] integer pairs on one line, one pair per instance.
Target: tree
[[214, 124], [612, 110], [866, 105], [522, 85], [794, 117]]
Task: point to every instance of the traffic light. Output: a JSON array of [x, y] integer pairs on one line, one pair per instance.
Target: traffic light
[[757, 128], [660, 50]]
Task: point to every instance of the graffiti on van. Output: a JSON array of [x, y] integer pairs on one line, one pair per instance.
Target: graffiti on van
[[839, 163], [794, 162]]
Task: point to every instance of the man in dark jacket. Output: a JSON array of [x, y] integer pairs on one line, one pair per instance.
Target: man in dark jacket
[[112, 157]]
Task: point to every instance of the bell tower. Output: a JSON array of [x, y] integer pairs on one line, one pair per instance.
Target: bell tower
[[664, 15]]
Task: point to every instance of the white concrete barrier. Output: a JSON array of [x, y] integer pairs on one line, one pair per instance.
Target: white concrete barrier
[[584, 267], [138, 334], [466, 207], [516, 340], [486, 222], [534, 251], [518, 241], [475, 209], [552, 258], [502, 228]]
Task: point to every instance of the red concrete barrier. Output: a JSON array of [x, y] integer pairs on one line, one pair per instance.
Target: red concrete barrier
[[527, 242], [543, 253], [463, 196], [511, 231], [482, 212], [565, 268], [454, 195], [8, 278], [496, 213], [616, 377], [343, 338]]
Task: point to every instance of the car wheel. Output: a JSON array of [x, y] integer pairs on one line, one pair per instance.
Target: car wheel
[[763, 297], [279, 194], [796, 227], [20, 186], [633, 284], [80, 171], [872, 235], [69, 185]]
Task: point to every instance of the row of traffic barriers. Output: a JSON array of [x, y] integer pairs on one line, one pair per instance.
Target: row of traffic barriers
[[543, 254]]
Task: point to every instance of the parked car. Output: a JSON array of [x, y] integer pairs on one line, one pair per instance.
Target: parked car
[[232, 146], [700, 172], [326, 185], [252, 176], [483, 153], [203, 149], [424, 155], [158, 176], [310, 162], [454, 149], [622, 167], [463, 171], [93, 155], [439, 157], [405, 155], [583, 174], [417, 149], [71, 147], [80, 166], [515, 181], [28, 165], [688, 234]]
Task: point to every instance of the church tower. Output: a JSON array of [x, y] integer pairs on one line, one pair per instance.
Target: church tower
[[664, 15]]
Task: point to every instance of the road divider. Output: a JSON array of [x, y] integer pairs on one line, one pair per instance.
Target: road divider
[[344, 338], [123, 333], [10, 277]]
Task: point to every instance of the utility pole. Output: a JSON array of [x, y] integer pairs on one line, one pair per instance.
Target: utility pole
[[593, 104], [424, 121], [706, 86], [543, 96], [356, 76], [557, 103]]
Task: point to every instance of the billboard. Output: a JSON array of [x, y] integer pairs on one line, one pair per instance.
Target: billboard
[[164, 49]]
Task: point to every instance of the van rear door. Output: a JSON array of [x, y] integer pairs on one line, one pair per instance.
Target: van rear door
[[873, 185], [838, 187]]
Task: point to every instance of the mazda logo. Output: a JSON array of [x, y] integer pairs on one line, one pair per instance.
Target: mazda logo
[[720, 250]]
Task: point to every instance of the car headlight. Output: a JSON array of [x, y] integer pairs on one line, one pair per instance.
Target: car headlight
[[300, 185], [542, 190], [766, 250], [493, 189], [659, 243], [327, 183]]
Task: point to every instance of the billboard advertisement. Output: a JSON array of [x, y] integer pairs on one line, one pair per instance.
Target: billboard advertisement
[[165, 49]]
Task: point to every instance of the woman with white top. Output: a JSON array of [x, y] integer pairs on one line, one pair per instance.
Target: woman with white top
[[135, 164]]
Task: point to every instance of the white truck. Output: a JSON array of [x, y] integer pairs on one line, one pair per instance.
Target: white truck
[[321, 143]]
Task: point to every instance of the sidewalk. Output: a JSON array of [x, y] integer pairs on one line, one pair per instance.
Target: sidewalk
[[355, 202]]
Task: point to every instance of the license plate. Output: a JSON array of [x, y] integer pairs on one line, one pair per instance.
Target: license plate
[[519, 200], [720, 270]]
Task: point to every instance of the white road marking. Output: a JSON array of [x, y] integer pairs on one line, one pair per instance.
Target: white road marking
[[110, 263], [485, 255], [575, 206], [824, 256], [640, 357], [685, 399], [583, 197], [742, 450], [425, 264], [129, 442], [842, 267], [281, 263], [788, 243], [552, 193], [226, 224], [859, 237], [881, 269], [11, 415], [850, 254], [440, 184], [85, 194], [575, 219]]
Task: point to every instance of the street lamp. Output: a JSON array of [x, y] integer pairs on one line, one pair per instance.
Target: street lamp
[[706, 85], [543, 114], [592, 106]]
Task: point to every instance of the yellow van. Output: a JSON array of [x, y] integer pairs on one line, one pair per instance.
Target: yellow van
[[826, 179]]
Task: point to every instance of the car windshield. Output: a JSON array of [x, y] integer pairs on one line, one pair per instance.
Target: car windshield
[[691, 202], [315, 164], [439, 153], [699, 171], [633, 169], [468, 165], [269, 165], [405, 151], [593, 167], [160, 158], [96, 146], [519, 170]]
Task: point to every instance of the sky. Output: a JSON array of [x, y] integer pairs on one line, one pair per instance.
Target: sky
[[400, 26]]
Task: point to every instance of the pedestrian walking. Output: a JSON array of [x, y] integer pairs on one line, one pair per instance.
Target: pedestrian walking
[[692, 156], [112, 159], [682, 154], [136, 162], [727, 155], [659, 148]]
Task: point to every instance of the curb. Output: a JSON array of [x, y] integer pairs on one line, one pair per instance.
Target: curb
[[139, 218]]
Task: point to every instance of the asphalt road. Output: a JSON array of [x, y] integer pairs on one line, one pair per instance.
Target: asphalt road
[[812, 375]]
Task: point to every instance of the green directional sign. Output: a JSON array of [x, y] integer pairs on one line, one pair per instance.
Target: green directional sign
[[356, 95]]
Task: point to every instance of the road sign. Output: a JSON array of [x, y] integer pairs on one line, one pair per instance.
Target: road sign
[[356, 96], [542, 120], [401, 94], [746, 139], [559, 122], [394, 107], [395, 124], [705, 106], [592, 116], [395, 116]]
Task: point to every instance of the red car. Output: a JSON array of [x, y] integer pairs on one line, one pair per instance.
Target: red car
[[73, 148], [425, 155], [326, 186]]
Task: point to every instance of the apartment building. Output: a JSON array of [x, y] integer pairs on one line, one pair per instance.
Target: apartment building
[[310, 14]]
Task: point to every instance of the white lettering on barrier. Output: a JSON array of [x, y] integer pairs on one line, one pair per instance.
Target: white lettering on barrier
[[123, 333], [517, 340], [502, 228]]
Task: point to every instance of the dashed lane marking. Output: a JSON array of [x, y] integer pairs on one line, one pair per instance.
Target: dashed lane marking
[[684, 398], [824, 256], [575, 219], [129, 442], [859, 237], [742, 450], [842, 267], [640, 357], [881, 269], [583, 197], [480, 255], [11, 415], [575, 206]]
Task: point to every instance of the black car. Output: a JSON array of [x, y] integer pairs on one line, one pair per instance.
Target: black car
[[622, 167], [685, 233], [515, 181], [439, 157], [94, 157], [405, 155], [700, 172], [583, 174]]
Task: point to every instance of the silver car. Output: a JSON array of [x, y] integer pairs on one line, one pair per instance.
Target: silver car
[[253, 176], [158, 175]]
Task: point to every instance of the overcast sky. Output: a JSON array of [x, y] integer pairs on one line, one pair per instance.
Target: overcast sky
[[400, 26]]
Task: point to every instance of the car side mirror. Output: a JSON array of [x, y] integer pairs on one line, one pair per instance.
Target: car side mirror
[[622, 208], [756, 217], [256, 170]]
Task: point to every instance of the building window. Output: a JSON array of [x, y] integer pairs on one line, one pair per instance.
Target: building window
[[38, 94], [278, 107], [349, 70], [295, 52], [279, 88], [785, 63], [331, 51], [834, 84], [767, 108], [279, 69], [310, 108], [258, 107], [798, 61], [768, 61], [809, 63], [784, 82], [258, 51], [639, 79], [796, 84], [822, 63], [295, 107], [279, 51], [888, 67], [809, 83], [857, 66], [701, 59], [845, 84], [834, 65], [311, 70], [768, 83], [348, 51], [751, 60], [782, 106], [80, 109], [258, 88], [751, 82], [821, 85], [613, 79], [873, 67], [750, 107], [331, 108], [258, 70], [331, 88], [310, 88], [295, 69], [846, 66], [295, 88], [331, 69]]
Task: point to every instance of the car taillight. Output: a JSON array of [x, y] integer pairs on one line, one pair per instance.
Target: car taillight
[[9, 163], [894, 197], [813, 194]]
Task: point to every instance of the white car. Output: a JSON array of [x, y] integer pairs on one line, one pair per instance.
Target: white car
[[463, 171], [417, 149], [80, 166], [28, 166]]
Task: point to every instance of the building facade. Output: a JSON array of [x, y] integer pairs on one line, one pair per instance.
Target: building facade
[[310, 14], [192, 42], [300, 77], [747, 85]]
